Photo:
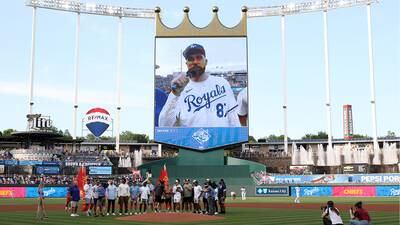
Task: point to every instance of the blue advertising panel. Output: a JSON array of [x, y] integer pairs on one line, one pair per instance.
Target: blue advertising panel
[[48, 163], [49, 192], [1, 162], [47, 170], [310, 191], [199, 106], [385, 191], [11, 162], [201, 138], [272, 191], [100, 170], [29, 162], [316, 179]]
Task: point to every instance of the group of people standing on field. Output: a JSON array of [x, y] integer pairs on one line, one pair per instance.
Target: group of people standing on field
[[211, 195], [141, 197]]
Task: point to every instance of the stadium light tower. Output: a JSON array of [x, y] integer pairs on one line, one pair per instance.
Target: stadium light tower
[[91, 8], [318, 6], [85, 8]]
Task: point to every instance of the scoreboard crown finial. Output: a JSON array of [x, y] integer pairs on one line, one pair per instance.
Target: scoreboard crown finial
[[214, 29]]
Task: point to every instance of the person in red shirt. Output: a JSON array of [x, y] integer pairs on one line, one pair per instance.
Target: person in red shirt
[[68, 203], [360, 216]]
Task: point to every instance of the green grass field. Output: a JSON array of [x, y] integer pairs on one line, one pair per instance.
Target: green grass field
[[234, 216]]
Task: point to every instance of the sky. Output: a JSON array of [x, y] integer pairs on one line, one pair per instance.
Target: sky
[[348, 58]]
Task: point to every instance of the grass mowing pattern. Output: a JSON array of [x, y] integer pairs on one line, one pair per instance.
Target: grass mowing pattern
[[235, 216]]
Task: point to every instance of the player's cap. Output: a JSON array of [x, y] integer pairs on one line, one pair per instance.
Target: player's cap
[[193, 49]]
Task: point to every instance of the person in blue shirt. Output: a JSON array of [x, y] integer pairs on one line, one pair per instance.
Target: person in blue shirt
[[75, 197], [210, 195], [100, 194], [41, 212], [134, 192], [111, 194]]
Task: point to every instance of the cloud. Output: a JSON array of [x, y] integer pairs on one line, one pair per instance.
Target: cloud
[[65, 95]]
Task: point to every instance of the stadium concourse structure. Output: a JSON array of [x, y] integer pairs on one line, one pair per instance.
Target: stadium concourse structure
[[304, 156]]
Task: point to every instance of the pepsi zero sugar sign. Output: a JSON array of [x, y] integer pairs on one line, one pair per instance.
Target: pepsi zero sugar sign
[[97, 120], [202, 103], [272, 191]]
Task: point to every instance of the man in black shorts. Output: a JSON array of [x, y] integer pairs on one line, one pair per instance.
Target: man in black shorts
[[158, 193]]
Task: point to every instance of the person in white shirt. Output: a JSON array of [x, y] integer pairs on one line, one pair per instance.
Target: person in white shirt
[[197, 190], [243, 192], [233, 195], [123, 196], [198, 99], [89, 194], [177, 190], [95, 197], [333, 213], [297, 199], [144, 197]]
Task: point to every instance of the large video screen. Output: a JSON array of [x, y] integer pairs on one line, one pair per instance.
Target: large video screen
[[201, 92]]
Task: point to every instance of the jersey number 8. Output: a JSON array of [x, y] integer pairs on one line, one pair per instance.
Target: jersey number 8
[[220, 110]]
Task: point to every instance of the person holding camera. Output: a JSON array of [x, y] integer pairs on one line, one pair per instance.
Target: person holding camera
[[331, 212], [360, 216]]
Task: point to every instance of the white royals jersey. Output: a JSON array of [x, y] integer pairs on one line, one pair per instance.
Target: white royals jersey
[[208, 103]]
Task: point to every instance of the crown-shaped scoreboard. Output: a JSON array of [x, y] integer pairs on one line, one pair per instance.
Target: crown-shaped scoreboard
[[201, 83]]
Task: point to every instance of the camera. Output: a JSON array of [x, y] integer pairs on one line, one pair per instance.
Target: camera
[[324, 208]]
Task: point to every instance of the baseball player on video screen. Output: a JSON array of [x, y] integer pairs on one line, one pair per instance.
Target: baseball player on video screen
[[198, 99]]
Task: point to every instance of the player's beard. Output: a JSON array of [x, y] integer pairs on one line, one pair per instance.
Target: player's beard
[[196, 71]]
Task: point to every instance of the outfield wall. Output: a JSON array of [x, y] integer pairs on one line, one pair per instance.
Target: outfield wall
[[271, 190], [348, 191], [32, 192]]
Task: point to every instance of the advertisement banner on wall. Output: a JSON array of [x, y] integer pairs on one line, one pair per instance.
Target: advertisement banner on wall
[[100, 170], [12, 192], [334, 178], [48, 163], [310, 191], [29, 163], [377, 178], [385, 191], [272, 191], [11, 162], [47, 170], [50, 192], [354, 191]]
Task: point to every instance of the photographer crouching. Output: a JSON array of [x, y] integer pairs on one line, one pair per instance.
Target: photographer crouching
[[360, 216], [331, 215]]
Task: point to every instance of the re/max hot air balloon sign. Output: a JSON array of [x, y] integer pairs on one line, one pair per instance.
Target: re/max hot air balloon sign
[[97, 120]]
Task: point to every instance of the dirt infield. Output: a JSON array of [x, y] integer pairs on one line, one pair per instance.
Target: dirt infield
[[170, 217], [369, 207]]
